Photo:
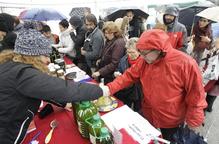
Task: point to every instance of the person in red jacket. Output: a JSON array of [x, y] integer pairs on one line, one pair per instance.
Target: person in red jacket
[[176, 30], [171, 84]]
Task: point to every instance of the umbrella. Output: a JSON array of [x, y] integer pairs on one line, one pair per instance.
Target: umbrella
[[79, 11], [41, 14], [187, 15], [210, 13], [121, 13]]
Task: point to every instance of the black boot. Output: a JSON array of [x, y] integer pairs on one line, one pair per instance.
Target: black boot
[[210, 100]]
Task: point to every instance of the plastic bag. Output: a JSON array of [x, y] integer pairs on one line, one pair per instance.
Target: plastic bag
[[212, 70]]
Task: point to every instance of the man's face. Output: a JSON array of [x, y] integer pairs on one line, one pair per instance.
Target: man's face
[[2, 35], [130, 15], [90, 25], [169, 18], [150, 56]]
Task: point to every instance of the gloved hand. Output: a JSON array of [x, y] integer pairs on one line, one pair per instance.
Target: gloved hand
[[105, 89]]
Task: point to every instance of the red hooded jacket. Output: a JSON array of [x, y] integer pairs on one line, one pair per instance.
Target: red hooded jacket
[[172, 86]]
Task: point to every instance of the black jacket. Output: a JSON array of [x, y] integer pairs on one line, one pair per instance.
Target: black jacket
[[22, 87], [78, 39]]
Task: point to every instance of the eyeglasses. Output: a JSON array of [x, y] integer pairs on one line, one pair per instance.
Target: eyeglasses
[[143, 53], [203, 20]]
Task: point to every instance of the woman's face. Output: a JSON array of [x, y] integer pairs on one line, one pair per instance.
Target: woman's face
[[203, 22], [109, 35], [45, 59], [61, 28], [132, 53]]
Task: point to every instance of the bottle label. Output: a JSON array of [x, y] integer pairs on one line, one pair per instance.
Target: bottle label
[[92, 139]]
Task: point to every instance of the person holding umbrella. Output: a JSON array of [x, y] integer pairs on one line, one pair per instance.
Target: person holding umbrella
[[202, 36], [135, 24]]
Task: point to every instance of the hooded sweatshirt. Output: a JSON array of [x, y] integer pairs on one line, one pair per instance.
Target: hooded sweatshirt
[[172, 86], [176, 31]]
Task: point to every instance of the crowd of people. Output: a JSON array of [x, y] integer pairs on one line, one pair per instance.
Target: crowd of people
[[149, 70]]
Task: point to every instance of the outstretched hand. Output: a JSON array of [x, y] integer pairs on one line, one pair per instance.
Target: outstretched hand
[[105, 89]]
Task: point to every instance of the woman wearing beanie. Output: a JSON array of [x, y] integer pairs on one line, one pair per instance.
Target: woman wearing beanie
[[25, 82], [66, 45]]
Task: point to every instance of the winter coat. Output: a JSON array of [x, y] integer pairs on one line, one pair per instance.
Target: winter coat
[[176, 31], [113, 51], [172, 85], [66, 44], [93, 45], [23, 87], [78, 39]]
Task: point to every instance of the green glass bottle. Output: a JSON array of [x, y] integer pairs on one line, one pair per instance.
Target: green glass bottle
[[95, 124], [85, 110], [105, 137], [75, 107]]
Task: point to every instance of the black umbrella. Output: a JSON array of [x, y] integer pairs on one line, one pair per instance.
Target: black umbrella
[[184, 135], [122, 12], [187, 16], [79, 11]]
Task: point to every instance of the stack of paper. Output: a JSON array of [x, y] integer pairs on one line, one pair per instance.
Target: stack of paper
[[133, 123]]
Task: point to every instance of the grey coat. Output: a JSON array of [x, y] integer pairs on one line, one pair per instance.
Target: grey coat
[[93, 45]]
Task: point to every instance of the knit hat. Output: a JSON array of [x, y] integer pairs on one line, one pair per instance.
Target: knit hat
[[76, 21], [3, 26], [31, 42]]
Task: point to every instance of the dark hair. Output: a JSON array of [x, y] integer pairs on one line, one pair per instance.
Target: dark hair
[[91, 18], [46, 28], [64, 23], [16, 20], [129, 10]]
